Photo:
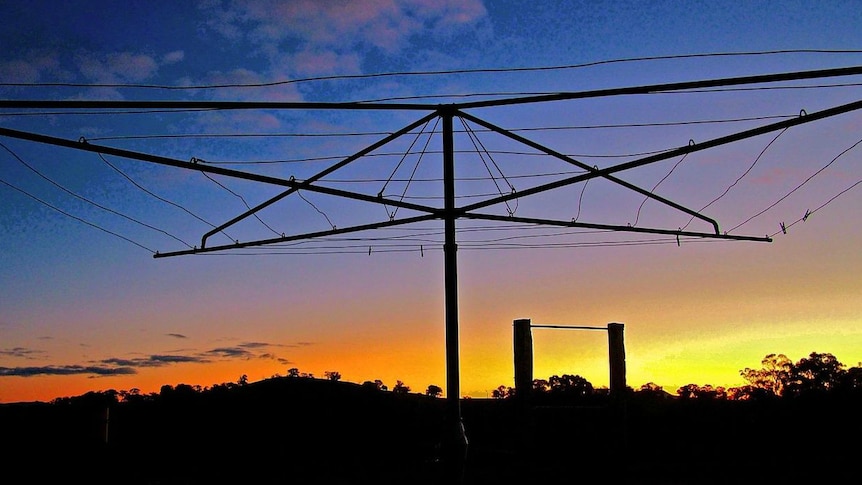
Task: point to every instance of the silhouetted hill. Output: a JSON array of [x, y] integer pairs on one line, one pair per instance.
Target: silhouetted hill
[[276, 430], [302, 430]]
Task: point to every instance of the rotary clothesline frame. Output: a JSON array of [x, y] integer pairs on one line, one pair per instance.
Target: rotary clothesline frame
[[449, 213]]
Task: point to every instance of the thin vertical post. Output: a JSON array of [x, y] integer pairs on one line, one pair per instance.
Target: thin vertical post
[[617, 358], [107, 423], [457, 439]]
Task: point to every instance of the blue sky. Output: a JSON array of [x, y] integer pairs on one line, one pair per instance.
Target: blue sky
[[86, 306]]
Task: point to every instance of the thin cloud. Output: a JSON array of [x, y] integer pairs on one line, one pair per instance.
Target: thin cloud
[[245, 350], [66, 370], [293, 345], [176, 335], [30, 69], [332, 37], [309, 38], [118, 366], [230, 352], [276, 358], [155, 361], [176, 359], [254, 345], [319, 63], [173, 57], [21, 352], [222, 121], [116, 67], [123, 362], [386, 25]]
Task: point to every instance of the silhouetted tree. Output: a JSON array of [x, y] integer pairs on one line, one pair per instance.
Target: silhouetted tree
[[540, 386], [570, 385], [220, 389], [332, 375], [242, 381], [654, 392], [852, 380], [400, 388], [749, 393], [434, 391], [774, 375], [376, 384], [502, 392], [132, 395], [185, 390], [293, 372], [718, 392], [651, 387], [688, 391], [817, 373], [180, 393], [91, 398], [693, 391]]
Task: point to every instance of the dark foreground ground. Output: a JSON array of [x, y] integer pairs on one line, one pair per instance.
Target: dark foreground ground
[[309, 431]]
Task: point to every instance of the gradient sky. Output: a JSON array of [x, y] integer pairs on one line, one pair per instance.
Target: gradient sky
[[85, 306]]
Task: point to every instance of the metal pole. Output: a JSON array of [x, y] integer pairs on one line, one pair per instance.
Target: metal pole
[[457, 440]]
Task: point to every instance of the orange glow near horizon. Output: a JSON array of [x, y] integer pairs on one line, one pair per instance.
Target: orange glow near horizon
[[670, 341], [337, 275], [699, 360]]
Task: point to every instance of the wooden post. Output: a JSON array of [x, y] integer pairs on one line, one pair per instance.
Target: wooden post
[[617, 358], [523, 340], [618, 395], [523, 343]]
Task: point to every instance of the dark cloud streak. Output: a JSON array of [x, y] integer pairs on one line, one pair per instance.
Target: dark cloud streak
[[231, 352], [254, 345], [66, 370], [20, 352], [117, 366]]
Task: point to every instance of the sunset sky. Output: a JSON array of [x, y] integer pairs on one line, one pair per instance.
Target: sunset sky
[[84, 305]]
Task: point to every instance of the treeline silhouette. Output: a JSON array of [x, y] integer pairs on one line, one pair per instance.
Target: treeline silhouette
[[779, 377], [794, 422]]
